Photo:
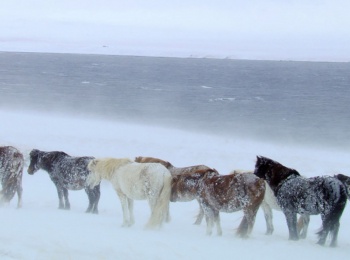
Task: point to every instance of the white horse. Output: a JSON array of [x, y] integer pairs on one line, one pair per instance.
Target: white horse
[[135, 181]]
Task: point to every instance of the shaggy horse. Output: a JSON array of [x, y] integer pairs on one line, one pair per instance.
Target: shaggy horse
[[11, 171], [67, 173], [230, 193], [269, 203], [296, 194], [181, 190], [135, 181]]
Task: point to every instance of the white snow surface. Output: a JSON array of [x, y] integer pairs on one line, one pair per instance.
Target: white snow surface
[[40, 230], [313, 30]]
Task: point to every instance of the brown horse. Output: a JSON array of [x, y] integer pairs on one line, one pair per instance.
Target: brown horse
[[11, 171], [230, 193], [184, 181]]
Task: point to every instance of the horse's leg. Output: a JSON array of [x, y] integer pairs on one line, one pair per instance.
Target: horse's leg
[[97, 195], [209, 220], [66, 200], [268, 217], [124, 202], [131, 212], [94, 196], [19, 194], [323, 233], [303, 224], [199, 216], [292, 225], [217, 222], [334, 230], [60, 196], [90, 195], [251, 215]]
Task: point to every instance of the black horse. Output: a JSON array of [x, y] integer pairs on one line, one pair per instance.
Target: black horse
[[67, 173], [11, 171], [346, 181], [324, 195]]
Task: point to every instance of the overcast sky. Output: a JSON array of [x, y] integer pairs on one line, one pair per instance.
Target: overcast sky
[[272, 29]]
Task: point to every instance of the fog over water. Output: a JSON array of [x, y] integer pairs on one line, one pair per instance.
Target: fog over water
[[289, 102]]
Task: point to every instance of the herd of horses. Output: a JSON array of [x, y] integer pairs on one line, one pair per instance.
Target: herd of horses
[[271, 185]]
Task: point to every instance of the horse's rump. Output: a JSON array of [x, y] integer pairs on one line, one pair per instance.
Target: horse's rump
[[185, 187], [11, 171], [232, 192], [137, 181]]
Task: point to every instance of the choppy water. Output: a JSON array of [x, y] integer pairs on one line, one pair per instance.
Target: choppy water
[[291, 102]]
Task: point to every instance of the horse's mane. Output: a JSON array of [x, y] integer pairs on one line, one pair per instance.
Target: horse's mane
[[141, 159], [261, 160], [107, 166]]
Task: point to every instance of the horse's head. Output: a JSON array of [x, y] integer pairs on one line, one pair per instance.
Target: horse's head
[[273, 172], [34, 161], [261, 167]]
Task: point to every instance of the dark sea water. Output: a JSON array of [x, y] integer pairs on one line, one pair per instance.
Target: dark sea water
[[292, 102]]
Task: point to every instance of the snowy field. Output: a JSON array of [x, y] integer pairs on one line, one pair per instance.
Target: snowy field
[[40, 231]]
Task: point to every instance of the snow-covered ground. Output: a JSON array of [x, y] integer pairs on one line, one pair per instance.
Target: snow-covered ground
[[275, 30], [40, 231]]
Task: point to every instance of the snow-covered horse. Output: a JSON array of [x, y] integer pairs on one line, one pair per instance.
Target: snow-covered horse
[[135, 181], [230, 193], [270, 203], [182, 191], [67, 173], [298, 195], [11, 171]]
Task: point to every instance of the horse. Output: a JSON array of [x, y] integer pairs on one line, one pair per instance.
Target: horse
[[324, 195], [231, 193], [135, 181], [181, 190], [11, 172], [270, 203], [67, 173]]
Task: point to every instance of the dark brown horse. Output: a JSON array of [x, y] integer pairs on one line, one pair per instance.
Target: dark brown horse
[[324, 195], [67, 173], [230, 193], [182, 189], [11, 171]]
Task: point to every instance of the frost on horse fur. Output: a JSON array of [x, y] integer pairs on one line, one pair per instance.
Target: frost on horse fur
[[67, 173], [11, 171], [230, 193], [135, 181], [182, 188], [324, 195]]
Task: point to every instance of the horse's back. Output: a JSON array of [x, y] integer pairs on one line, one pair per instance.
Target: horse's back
[[138, 180], [11, 160], [234, 191], [311, 195]]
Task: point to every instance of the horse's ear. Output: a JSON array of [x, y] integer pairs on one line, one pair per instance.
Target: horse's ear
[[34, 152]]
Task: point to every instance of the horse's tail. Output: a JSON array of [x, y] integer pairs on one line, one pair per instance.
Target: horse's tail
[[161, 208], [331, 222]]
